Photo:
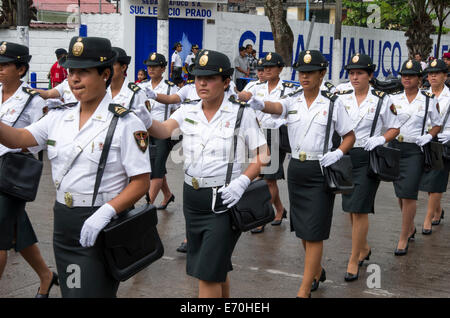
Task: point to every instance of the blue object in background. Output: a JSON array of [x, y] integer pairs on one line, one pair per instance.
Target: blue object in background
[[83, 30], [33, 78], [145, 37]]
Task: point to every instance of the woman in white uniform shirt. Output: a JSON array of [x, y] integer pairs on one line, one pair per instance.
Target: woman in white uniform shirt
[[361, 103], [208, 129], [126, 176], [311, 206], [435, 181], [410, 105]]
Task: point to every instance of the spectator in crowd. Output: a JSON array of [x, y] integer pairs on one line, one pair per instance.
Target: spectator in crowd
[[58, 73], [241, 69], [252, 60], [418, 58], [142, 76]]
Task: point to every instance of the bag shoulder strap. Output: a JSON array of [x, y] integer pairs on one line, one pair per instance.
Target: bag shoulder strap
[[377, 112], [327, 131], [134, 88], [166, 107], [234, 144], [30, 92], [427, 104], [447, 114]]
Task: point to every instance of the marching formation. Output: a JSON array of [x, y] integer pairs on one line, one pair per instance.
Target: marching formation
[[108, 141]]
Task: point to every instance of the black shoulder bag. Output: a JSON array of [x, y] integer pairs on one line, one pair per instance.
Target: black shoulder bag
[[254, 208], [384, 162], [446, 146], [338, 176], [130, 241], [20, 172], [432, 150]]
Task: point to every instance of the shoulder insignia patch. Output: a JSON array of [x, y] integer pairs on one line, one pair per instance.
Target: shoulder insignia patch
[[329, 85], [329, 95], [30, 91], [397, 92], [393, 109], [378, 93], [289, 85], [134, 87], [118, 110], [141, 138], [427, 94], [348, 91], [297, 91], [170, 83]]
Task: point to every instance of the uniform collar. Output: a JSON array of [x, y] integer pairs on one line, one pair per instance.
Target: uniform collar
[[226, 106], [160, 84], [100, 114]]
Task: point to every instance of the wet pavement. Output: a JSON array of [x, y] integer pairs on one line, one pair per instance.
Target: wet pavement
[[268, 264]]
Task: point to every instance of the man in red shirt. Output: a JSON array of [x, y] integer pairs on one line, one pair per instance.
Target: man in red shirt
[[58, 73]]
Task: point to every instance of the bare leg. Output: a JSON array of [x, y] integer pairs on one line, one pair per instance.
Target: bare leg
[[434, 200], [209, 289], [226, 288], [33, 257], [3, 259], [438, 210], [275, 193], [313, 257], [155, 186], [166, 191], [360, 229], [408, 214]]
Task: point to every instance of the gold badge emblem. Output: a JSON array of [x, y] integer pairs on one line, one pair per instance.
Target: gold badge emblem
[[141, 138], [409, 65], [355, 59], [68, 199], [195, 184], [302, 156], [78, 47], [269, 56], [153, 57], [203, 60], [260, 61], [400, 138], [307, 58], [3, 48], [434, 63]]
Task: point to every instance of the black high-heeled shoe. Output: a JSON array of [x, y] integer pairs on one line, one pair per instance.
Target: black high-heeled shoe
[[163, 207], [54, 281], [360, 263], [438, 221], [401, 252], [315, 284], [427, 231], [349, 277], [412, 236], [278, 222], [257, 230]]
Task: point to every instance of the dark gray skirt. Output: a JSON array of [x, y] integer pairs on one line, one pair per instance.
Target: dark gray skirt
[[14, 220], [435, 181], [311, 206], [158, 163], [279, 174], [411, 168], [211, 240], [362, 199], [82, 270]]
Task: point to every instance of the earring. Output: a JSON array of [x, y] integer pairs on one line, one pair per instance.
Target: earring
[[105, 79]]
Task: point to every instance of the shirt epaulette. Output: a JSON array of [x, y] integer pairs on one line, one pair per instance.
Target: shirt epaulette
[[170, 83], [329, 85], [30, 91], [378, 93], [63, 106], [397, 92], [188, 101], [261, 83], [288, 85], [348, 91], [329, 95], [297, 91], [237, 101], [135, 88], [118, 110], [428, 94]]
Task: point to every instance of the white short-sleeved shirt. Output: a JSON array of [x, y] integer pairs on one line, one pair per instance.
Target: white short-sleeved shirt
[[231, 89], [188, 92], [207, 145], [444, 105], [306, 126], [252, 86], [10, 111], [344, 87], [65, 92], [190, 59], [124, 97], [157, 109], [59, 129], [410, 115], [176, 59], [363, 115]]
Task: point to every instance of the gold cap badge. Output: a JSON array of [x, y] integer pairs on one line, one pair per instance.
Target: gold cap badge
[[3, 48], [203, 60], [434, 63], [260, 61], [409, 65], [78, 47], [153, 57], [307, 58], [355, 59], [269, 56]]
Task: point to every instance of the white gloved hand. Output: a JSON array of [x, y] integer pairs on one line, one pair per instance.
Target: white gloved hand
[[374, 142], [234, 191], [151, 94], [256, 103], [444, 137], [423, 140], [95, 223], [330, 157]]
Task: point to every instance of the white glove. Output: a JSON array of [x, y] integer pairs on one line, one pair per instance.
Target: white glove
[[234, 191], [151, 94], [330, 157], [374, 142], [95, 223], [423, 140], [256, 103], [444, 137]]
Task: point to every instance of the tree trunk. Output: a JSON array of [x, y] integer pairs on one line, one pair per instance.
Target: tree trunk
[[282, 33], [419, 30]]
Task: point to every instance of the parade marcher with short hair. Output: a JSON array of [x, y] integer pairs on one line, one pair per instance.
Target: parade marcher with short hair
[[156, 66], [435, 181], [176, 64], [208, 126], [19, 107], [311, 205], [410, 105], [362, 103], [84, 125], [272, 90]]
